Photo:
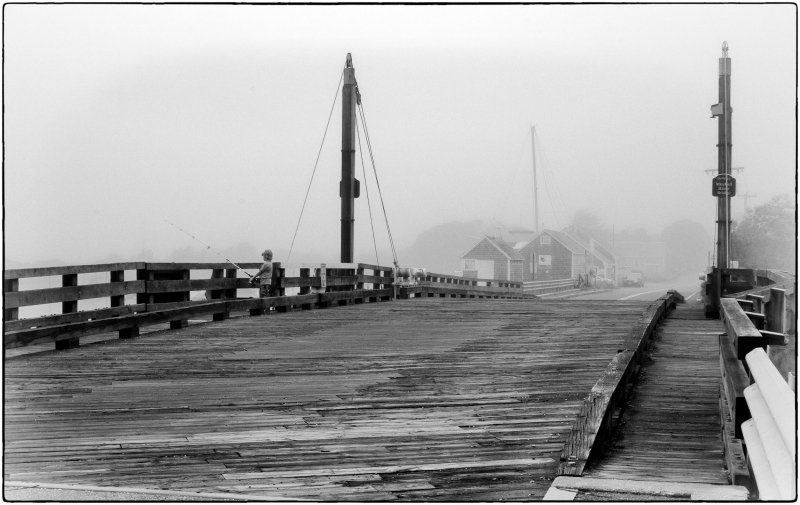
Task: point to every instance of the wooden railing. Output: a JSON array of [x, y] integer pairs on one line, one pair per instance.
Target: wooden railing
[[546, 287], [137, 295], [442, 285], [162, 293], [751, 322], [595, 422]]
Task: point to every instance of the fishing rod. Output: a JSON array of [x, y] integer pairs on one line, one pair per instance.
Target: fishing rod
[[208, 247]]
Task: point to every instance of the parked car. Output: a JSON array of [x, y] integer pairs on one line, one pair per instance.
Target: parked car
[[634, 279], [603, 283]]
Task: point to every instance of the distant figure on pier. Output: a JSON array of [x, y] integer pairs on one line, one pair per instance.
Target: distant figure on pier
[[264, 275]]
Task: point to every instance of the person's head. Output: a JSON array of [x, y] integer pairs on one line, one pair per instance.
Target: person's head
[[267, 254]]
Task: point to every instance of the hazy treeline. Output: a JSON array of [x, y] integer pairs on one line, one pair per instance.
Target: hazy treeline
[[767, 236]]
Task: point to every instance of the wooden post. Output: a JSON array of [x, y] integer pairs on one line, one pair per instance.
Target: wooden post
[[143, 274], [117, 276], [10, 286], [278, 274], [129, 332], [119, 301], [348, 186], [69, 280], [216, 273], [69, 306], [360, 276], [775, 310], [230, 274], [305, 273]]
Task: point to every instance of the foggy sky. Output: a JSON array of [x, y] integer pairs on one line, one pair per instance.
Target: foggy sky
[[119, 117]]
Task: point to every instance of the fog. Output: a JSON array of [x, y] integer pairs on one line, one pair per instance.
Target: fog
[[120, 118]]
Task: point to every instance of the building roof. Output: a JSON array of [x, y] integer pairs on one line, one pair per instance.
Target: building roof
[[505, 248], [567, 241], [502, 246], [599, 250]]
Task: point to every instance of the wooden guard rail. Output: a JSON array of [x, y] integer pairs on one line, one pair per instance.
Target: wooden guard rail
[[595, 422], [162, 292], [753, 322], [461, 287], [545, 287]]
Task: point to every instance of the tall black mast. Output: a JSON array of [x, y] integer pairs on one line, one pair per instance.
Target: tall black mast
[[724, 184], [348, 186]]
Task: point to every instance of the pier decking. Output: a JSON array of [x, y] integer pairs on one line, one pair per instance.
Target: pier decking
[[671, 429], [427, 399]]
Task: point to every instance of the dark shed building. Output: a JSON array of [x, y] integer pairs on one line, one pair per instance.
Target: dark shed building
[[492, 258]]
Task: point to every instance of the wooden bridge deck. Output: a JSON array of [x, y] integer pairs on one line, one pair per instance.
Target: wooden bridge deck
[[427, 399], [671, 429]]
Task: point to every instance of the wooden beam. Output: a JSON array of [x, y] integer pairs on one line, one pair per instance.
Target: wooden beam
[[21, 273], [744, 335], [734, 382]]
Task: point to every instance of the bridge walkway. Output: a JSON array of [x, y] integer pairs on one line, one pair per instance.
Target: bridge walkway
[[670, 430], [427, 399]]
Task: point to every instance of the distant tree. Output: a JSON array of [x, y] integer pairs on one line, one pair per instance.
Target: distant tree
[[439, 248], [588, 223], [687, 246], [767, 236]]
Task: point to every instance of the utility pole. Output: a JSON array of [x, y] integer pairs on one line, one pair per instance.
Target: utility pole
[[724, 185], [746, 197], [349, 185], [535, 185]]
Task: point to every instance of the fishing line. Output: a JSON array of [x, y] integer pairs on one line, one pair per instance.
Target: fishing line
[[208, 247]]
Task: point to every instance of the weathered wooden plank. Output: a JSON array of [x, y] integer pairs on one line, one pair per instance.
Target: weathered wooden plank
[[22, 273], [54, 295], [743, 333], [670, 429], [451, 399], [83, 315], [734, 381]]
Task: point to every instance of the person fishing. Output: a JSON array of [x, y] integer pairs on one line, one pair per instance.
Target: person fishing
[[264, 275]]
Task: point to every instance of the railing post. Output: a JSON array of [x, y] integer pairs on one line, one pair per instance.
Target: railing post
[[305, 273], [119, 301], [216, 273], [231, 274], [10, 286], [322, 274], [67, 307], [144, 274], [182, 274], [360, 275], [67, 281], [222, 293], [278, 274], [117, 276], [775, 310]]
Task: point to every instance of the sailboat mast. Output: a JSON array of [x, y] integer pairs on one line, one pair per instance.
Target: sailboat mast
[[535, 184], [348, 187]]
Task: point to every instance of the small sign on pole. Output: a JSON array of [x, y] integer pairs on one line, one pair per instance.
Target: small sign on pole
[[723, 185]]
